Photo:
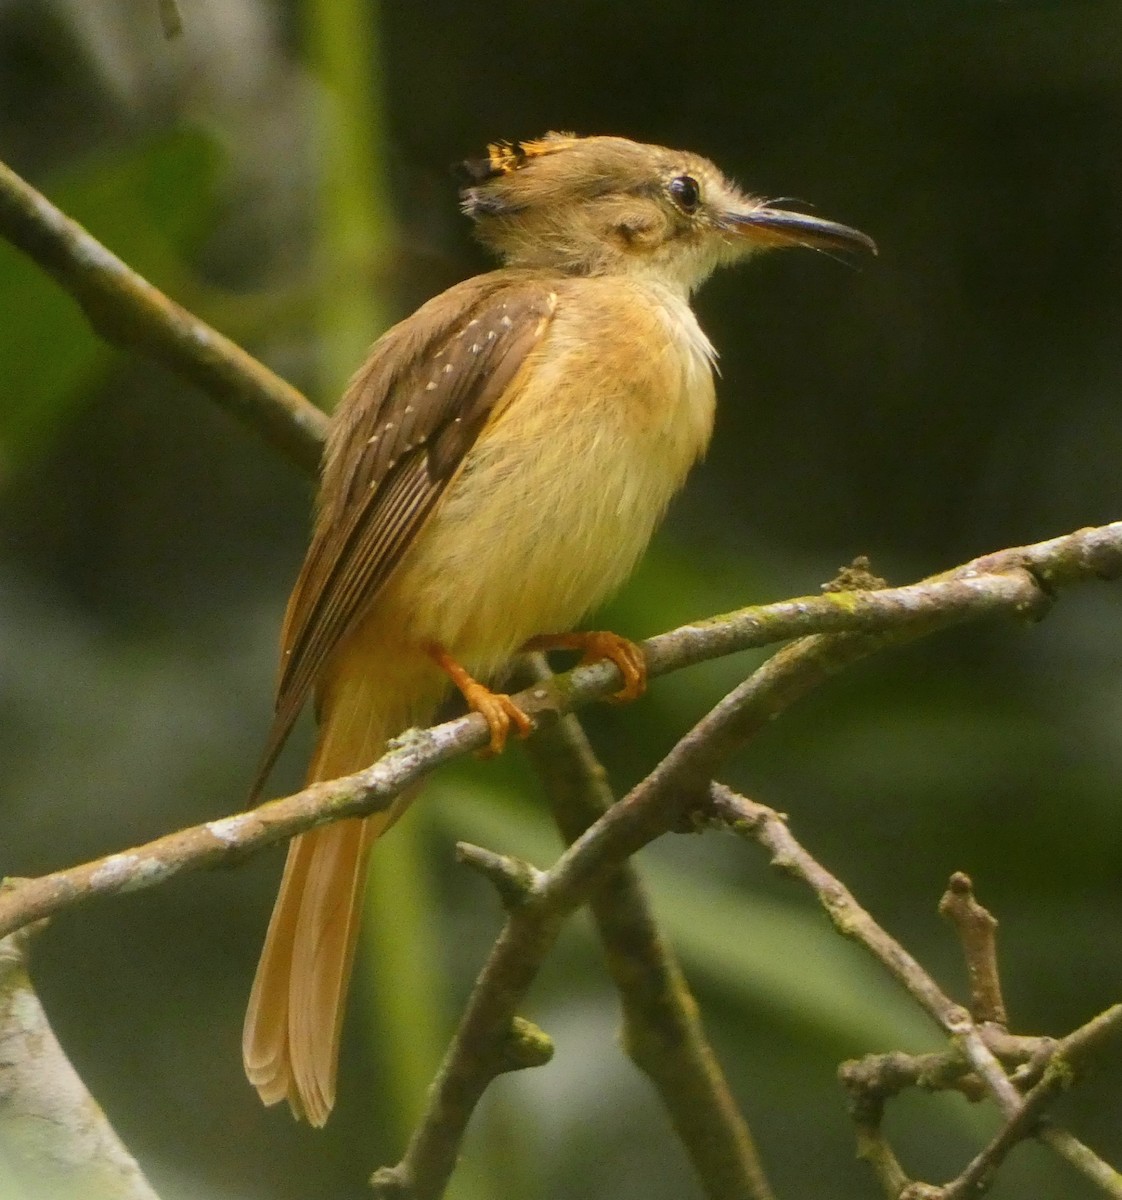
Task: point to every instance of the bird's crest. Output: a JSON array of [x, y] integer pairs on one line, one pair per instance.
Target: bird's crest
[[504, 158]]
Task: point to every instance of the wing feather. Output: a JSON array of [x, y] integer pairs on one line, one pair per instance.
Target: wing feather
[[399, 437]]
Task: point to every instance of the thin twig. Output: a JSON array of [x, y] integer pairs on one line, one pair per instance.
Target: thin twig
[[977, 931], [128, 311], [513, 879], [1080, 1156], [871, 1082], [764, 825]]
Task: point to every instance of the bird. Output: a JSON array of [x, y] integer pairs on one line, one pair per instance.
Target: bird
[[494, 470]]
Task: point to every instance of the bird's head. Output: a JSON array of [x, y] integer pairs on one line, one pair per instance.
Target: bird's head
[[606, 205]]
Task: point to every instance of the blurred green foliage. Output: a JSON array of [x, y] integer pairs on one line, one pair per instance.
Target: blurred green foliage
[[955, 395], [151, 204]]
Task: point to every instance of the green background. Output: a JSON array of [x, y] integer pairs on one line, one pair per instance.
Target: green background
[[282, 170]]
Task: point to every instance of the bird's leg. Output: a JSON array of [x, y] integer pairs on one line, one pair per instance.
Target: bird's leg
[[496, 708], [626, 655]]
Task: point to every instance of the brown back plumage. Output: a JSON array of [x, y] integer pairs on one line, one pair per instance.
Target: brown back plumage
[[410, 417], [401, 433]]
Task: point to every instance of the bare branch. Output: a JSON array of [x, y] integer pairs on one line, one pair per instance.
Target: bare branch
[[977, 931], [897, 614], [663, 1033], [514, 880], [230, 839], [53, 1135], [764, 825], [128, 311], [979, 1047], [1069, 1057], [768, 827], [1094, 1169]]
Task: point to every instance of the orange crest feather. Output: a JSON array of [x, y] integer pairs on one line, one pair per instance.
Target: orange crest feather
[[506, 157]]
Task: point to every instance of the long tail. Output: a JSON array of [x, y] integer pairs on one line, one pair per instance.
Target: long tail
[[290, 1041]]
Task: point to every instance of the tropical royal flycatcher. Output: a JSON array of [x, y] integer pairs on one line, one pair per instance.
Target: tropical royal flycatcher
[[495, 469]]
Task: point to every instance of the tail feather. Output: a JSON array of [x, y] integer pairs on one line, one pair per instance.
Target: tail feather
[[265, 1034], [290, 1041]]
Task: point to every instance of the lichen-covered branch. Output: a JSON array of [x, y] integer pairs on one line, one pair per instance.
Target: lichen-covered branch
[[889, 615], [126, 310], [54, 1139]]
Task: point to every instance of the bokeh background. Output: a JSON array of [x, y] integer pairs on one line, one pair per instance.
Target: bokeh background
[[282, 169]]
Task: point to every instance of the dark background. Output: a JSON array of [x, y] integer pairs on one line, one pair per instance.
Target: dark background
[[282, 170]]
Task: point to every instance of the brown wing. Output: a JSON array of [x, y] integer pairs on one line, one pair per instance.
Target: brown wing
[[400, 433]]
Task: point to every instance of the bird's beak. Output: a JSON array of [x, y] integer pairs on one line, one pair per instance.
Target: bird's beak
[[778, 227]]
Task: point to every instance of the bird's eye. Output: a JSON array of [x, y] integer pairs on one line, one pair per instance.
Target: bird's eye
[[685, 192]]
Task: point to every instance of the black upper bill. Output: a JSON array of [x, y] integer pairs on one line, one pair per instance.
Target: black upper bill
[[778, 227]]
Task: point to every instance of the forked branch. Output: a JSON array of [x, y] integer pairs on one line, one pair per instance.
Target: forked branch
[[883, 618], [1023, 1075]]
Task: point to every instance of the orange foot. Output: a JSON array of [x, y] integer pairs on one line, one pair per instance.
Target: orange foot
[[496, 708], [627, 656]]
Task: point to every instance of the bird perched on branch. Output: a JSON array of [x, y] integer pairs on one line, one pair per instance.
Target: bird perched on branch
[[495, 469]]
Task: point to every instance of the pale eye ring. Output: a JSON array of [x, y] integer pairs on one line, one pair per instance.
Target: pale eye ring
[[685, 193]]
